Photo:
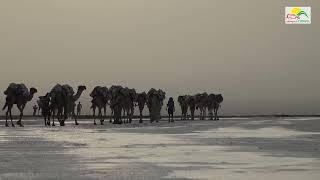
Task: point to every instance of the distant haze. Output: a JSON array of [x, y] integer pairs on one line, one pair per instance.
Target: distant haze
[[240, 48]]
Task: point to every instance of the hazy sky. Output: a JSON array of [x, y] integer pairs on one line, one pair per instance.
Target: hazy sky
[[240, 48]]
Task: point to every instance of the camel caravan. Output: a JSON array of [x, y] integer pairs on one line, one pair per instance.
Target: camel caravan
[[60, 103]]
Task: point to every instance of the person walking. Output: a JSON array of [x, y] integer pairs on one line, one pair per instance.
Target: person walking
[[79, 107], [170, 109], [35, 108]]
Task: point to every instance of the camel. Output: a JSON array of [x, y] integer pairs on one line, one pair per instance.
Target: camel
[[63, 100], [184, 106], [100, 97], [116, 104], [219, 100], [192, 105], [141, 100], [44, 101], [39, 106], [129, 97], [122, 100], [155, 103], [213, 105], [201, 104], [17, 94]]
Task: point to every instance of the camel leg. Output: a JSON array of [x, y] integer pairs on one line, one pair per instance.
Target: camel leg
[[65, 116], [48, 119], [120, 117], [124, 116], [140, 121], [10, 112], [53, 113], [210, 114], [7, 117], [45, 121], [21, 114], [216, 114], [192, 114], [131, 115], [99, 113], [104, 114], [111, 115], [127, 116], [202, 114], [59, 115], [100, 116], [94, 116]]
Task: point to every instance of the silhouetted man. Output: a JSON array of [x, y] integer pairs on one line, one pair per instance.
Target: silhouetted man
[[79, 107], [170, 109], [35, 108]]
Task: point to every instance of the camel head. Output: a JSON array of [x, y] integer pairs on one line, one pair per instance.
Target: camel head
[[133, 94], [33, 90], [162, 95], [211, 99], [81, 88], [181, 99], [211, 96], [94, 91], [219, 98]]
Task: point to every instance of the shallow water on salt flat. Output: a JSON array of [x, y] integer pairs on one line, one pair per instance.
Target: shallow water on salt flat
[[252, 148]]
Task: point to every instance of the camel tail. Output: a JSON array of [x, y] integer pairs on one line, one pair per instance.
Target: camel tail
[[4, 107]]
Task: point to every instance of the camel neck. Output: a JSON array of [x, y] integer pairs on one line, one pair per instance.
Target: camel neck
[[30, 97], [77, 95]]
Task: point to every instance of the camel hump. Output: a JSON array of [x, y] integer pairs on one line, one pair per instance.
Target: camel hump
[[99, 91], [68, 89], [57, 88], [17, 89]]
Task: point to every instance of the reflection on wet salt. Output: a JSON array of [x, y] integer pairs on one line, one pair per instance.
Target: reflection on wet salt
[[269, 132], [114, 150], [301, 119]]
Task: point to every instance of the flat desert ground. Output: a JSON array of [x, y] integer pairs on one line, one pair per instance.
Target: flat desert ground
[[232, 148]]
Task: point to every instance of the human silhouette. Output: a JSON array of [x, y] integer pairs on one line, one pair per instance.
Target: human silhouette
[[35, 108], [170, 109], [79, 107]]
